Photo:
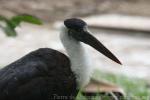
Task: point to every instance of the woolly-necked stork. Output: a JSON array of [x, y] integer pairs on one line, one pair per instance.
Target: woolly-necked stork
[[47, 74]]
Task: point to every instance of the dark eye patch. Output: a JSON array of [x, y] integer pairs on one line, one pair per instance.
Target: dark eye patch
[[74, 23]]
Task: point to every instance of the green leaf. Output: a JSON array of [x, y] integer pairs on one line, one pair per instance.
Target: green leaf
[[9, 31], [16, 20]]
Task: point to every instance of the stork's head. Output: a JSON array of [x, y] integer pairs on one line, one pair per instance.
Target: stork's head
[[78, 30]]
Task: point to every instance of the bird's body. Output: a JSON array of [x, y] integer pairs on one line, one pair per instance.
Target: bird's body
[[47, 74], [41, 75]]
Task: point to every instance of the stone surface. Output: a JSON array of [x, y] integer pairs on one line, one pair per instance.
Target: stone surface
[[119, 22]]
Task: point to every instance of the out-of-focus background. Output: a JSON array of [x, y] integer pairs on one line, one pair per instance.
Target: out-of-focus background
[[123, 26], [52, 10]]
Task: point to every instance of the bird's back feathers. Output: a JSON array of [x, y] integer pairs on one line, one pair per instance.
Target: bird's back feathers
[[40, 75]]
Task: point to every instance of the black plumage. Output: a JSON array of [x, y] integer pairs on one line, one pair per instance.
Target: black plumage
[[75, 23], [44, 74]]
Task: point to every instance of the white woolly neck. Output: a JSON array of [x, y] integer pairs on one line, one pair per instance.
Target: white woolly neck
[[80, 63]]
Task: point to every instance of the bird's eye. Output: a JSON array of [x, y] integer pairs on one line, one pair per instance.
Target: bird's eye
[[70, 33], [74, 33]]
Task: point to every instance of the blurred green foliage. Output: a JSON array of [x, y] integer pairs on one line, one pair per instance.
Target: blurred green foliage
[[135, 89], [12, 23]]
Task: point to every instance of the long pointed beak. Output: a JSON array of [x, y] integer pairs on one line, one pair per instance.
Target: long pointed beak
[[92, 41]]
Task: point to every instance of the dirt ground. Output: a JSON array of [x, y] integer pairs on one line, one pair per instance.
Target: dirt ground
[[51, 10]]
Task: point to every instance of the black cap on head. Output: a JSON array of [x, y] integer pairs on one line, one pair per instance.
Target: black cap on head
[[74, 23]]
